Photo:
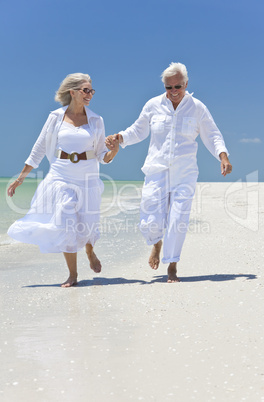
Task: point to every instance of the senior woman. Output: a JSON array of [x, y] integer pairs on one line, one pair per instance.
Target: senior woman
[[64, 213]]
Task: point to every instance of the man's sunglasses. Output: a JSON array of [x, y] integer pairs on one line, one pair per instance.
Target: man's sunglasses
[[175, 86]]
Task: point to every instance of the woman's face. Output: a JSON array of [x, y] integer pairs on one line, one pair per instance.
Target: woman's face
[[80, 96]]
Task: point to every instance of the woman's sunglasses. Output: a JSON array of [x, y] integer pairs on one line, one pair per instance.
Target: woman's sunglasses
[[86, 90]]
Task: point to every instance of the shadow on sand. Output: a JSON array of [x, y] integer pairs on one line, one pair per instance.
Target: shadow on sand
[[101, 281], [211, 278]]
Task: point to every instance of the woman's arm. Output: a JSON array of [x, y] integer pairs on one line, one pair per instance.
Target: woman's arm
[[12, 188], [112, 139], [112, 153], [102, 153], [39, 149]]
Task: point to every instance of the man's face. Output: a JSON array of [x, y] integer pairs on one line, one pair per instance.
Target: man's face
[[173, 94]]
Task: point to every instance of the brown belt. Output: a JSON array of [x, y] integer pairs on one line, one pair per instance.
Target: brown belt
[[74, 156]]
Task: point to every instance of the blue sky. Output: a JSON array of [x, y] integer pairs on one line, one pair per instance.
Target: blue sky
[[124, 46]]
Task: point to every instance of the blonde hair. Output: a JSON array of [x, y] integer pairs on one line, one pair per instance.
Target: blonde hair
[[173, 69], [72, 81]]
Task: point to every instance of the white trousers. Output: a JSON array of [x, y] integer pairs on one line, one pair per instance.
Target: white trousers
[[165, 211]]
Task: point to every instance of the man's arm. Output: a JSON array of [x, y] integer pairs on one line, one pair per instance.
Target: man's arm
[[136, 133]]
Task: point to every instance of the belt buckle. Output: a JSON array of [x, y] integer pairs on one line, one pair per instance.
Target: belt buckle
[[72, 157]]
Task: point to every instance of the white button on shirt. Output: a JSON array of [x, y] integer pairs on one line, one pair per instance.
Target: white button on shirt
[[173, 135]]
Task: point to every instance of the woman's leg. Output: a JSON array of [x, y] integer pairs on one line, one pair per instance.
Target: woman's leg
[[94, 262], [71, 260]]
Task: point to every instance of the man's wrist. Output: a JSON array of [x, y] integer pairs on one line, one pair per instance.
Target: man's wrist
[[120, 138]]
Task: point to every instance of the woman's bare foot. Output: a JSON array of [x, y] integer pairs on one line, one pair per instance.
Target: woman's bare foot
[[70, 282], [172, 273], [154, 258], [95, 263], [71, 259]]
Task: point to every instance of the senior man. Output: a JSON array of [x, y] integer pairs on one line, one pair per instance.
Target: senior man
[[174, 119]]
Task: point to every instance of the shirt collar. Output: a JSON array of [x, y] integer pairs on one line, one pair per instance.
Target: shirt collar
[[169, 103]]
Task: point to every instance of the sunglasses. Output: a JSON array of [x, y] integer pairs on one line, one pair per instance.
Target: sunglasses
[[86, 90], [175, 86]]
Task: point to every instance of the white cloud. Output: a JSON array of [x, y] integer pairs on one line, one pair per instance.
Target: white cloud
[[251, 140]]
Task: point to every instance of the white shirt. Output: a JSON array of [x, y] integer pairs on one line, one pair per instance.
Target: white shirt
[[46, 143], [173, 134]]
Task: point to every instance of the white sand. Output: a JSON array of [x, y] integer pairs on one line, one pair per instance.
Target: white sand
[[127, 335]]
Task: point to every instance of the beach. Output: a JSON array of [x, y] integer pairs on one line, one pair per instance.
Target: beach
[[126, 334]]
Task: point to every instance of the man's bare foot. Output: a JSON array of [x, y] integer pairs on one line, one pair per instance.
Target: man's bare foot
[[154, 258], [172, 273], [95, 263], [70, 282]]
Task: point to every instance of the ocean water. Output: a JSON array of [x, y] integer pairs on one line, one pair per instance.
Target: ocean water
[[119, 208]]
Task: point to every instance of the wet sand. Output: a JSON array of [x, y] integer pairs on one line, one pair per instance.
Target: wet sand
[[127, 335]]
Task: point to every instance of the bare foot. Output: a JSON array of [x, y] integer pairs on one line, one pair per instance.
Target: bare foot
[[172, 273], [95, 263], [70, 282], [154, 258]]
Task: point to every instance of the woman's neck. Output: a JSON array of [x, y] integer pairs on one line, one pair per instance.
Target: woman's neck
[[76, 110]]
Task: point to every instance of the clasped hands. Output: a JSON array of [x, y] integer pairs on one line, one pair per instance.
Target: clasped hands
[[112, 141]]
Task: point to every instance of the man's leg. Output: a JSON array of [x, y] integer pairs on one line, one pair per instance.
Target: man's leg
[[172, 273], [177, 226], [153, 214]]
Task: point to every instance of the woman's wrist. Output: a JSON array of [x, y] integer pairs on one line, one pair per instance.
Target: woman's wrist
[[19, 180], [114, 152], [110, 156]]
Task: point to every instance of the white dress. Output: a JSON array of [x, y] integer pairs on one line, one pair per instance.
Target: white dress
[[65, 210]]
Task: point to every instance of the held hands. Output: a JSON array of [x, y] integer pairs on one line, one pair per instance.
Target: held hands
[[112, 141], [226, 166]]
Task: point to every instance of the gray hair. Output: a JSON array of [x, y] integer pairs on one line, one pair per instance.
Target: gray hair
[[72, 81], [173, 69]]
